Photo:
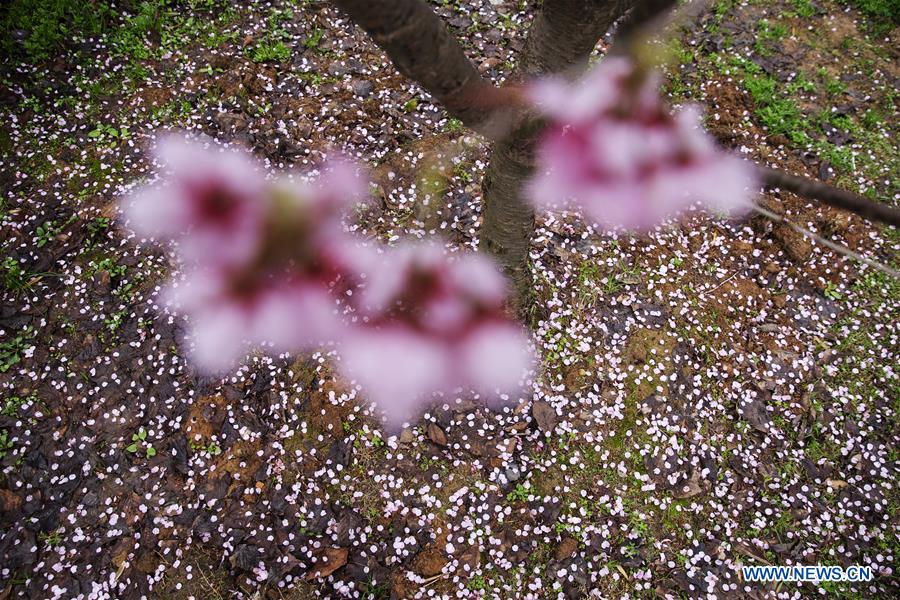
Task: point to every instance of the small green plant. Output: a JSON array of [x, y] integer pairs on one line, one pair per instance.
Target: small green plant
[[272, 46], [767, 35], [832, 292], [314, 39], [476, 583], [270, 51], [52, 538], [45, 233], [139, 442], [453, 125], [115, 320], [5, 444], [109, 134], [15, 278], [411, 105], [109, 265], [98, 226], [871, 119], [804, 8], [462, 172], [11, 351], [211, 448], [518, 494], [50, 25], [12, 405]]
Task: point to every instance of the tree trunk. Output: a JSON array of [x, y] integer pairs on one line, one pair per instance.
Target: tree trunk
[[560, 41], [421, 47]]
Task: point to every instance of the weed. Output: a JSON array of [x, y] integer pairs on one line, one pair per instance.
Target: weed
[[411, 105], [15, 278], [314, 39], [139, 441], [11, 351], [48, 26], [767, 35], [453, 125], [518, 494], [13, 404], [5, 444], [211, 448], [804, 8], [115, 320], [832, 292], [45, 233], [270, 51], [109, 265], [109, 134]]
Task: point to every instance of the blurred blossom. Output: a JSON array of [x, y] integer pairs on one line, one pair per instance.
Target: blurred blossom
[[260, 258], [270, 263], [432, 323], [216, 195], [615, 153]]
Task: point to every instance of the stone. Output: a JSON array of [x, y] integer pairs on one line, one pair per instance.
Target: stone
[[362, 87]]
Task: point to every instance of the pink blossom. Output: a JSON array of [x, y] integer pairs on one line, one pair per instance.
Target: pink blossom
[[216, 195], [432, 324], [613, 152], [263, 260], [270, 264]]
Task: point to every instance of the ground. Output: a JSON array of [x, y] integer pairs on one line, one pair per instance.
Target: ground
[[714, 394]]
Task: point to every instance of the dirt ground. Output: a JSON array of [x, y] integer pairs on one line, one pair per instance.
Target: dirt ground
[[713, 394]]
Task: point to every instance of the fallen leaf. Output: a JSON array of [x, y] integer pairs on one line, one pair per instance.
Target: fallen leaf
[[436, 434], [330, 560], [544, 415]]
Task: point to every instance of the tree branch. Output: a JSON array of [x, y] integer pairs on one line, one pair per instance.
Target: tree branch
[[419, 45], [832, 196]]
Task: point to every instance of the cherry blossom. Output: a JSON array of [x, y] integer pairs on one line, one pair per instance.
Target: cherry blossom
[[613, 152], [270, 264], [260, 258], [432, 324], [215, 194]]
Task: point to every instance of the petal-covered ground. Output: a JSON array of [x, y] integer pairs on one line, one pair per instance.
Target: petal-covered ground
[[714, 394]]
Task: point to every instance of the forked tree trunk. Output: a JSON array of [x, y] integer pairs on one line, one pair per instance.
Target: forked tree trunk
[[560, 41]]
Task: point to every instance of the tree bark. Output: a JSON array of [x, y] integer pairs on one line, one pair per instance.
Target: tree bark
[[560, 41], [419, 45]]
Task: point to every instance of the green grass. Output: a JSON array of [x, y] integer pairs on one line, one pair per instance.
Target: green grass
[[48, 26], [804, 8], [883, 12], [271, 46], [767, 34], [270, 51]]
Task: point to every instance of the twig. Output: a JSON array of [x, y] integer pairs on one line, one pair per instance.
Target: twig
[[836, 197], [834, 246], [730, 277]]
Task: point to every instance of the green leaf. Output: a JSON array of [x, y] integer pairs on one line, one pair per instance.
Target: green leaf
[[132, 448], [142, 435], [151, 451]]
